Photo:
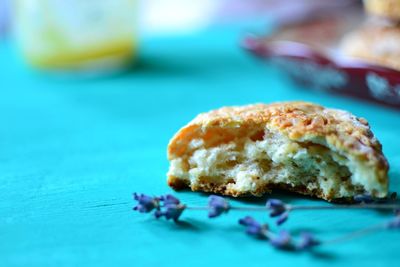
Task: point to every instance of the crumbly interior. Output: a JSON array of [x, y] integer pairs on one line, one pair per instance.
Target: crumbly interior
[[266, 159]]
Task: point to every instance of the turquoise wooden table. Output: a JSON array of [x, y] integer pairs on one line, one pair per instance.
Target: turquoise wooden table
[[72, 151]]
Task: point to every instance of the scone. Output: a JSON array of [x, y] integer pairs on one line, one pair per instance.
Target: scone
[[374, 43], [298, 146], [384, 8]]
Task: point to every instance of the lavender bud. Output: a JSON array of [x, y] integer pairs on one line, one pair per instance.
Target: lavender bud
[[145, 203], [363, 198], [281, 240], [394, 223], [171, 208], [276, 207], [169, 199], [282, 218], [217, 205], [171, 211], [397, 212], [307, 241], [253, 227]]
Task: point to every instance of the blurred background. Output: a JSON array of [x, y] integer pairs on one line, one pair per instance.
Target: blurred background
[[104, 34]]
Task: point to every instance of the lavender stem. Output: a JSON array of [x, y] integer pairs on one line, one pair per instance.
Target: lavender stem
[[361, 206], [355, 234], [197, 208], [293, 208]]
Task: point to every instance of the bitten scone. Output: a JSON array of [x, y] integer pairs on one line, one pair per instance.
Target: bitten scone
[[378, 44], [298, 146], [384, 8]]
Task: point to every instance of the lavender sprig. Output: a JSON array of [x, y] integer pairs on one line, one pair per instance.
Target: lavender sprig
[[281, 210], [282, 240], [171, 207], [285, 241], [394, 223]]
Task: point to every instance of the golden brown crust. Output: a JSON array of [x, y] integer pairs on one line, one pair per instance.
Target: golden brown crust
[[301, 121], [375, 43], [389, 9]]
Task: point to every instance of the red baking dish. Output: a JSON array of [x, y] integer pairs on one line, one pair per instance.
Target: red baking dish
[[308, 52]]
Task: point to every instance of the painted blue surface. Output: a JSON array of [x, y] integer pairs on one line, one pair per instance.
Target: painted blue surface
[[73, 151]]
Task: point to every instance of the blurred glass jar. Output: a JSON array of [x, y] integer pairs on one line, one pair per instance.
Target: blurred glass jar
[[76, 34]]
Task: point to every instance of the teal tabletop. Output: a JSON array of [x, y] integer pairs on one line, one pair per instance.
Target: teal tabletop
[[73, 150]]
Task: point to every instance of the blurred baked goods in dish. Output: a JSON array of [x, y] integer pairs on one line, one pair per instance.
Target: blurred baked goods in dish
[[389, 9], [297, 146], [375, 43], [377, 40]]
